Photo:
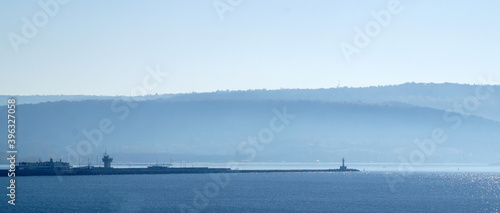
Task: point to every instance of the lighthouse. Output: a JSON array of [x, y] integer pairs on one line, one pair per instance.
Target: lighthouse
[[107, 161], [343, 167]]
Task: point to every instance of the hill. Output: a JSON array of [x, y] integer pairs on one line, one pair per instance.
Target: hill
[[218, 130]]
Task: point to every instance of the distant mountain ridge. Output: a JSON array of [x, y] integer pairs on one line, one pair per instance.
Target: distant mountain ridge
[[439, 96], [364, 124]]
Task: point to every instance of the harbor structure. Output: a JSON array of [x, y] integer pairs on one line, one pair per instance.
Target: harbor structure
[[107, 160], [60, 168]]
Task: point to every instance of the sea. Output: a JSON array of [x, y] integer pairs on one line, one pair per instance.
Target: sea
[[364, 191]]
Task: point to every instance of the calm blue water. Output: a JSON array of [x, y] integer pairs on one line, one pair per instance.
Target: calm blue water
[[272, 192]]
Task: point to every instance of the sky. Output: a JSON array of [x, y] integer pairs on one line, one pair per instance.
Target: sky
[[113, 47]]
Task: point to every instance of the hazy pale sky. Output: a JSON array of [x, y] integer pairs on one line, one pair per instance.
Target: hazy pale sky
[[103, 48]]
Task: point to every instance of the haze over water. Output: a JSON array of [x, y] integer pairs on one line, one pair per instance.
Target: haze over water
[[408, 92]]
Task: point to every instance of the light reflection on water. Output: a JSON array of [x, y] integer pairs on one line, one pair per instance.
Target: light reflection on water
[[262, 192]]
